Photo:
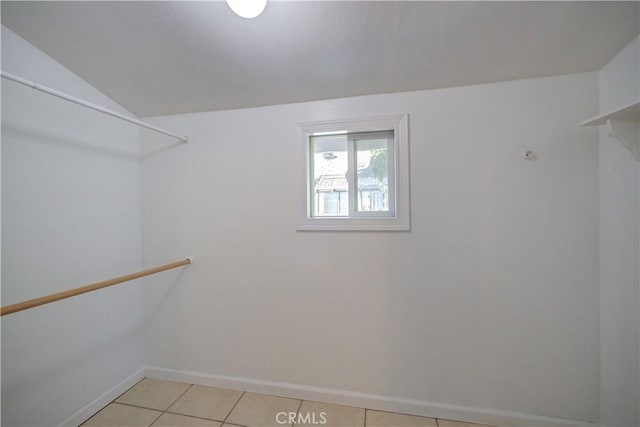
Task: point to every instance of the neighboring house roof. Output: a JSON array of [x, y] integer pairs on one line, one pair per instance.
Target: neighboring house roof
[[329, 183], [330, 174]]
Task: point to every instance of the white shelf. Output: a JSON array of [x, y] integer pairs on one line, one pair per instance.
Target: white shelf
[[628, 112], [624, 125]]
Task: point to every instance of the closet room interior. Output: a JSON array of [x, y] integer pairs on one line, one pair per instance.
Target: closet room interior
[[263, 213]]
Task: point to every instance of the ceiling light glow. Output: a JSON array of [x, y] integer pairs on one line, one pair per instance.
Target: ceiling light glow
[[247, 8]]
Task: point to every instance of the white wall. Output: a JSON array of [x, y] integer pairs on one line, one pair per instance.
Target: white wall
[[71, 215], [619, 84], [491, 301]]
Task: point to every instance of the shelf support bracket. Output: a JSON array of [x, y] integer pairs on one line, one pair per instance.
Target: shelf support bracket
[[627, 132], [622, 124]]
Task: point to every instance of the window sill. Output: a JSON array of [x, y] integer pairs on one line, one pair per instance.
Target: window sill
[[354, 224]]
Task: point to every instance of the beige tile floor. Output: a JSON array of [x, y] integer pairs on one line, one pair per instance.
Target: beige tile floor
[[154, 402]]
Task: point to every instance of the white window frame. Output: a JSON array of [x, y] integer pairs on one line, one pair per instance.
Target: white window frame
[[358, 221]]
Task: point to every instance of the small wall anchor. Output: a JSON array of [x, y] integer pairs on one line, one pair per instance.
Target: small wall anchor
[[529, 155]]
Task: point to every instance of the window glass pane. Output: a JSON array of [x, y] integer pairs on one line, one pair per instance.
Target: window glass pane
[[329, 163], [372, 165]]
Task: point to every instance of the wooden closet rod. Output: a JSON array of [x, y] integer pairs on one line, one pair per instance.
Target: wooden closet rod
[[13, 308], [67, 97]]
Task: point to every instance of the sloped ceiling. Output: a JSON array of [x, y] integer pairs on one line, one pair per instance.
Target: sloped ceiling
[[158, 58]]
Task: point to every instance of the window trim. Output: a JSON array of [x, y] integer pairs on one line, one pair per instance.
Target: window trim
[[401, 220]]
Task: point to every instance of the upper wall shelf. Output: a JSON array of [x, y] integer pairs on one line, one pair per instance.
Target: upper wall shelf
[[628, 112], [624, 125]]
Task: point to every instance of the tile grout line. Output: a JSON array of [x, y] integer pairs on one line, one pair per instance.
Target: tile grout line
[[121, 394], [170, 405], [420, 416], [233, 407], [178, 398], [194, 416], [201, 418], [190, 416], [114, 401], [157, 418], [167, 411], [299, 406], [135, 406], [297, 412]]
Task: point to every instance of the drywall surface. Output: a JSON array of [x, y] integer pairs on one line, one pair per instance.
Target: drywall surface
[[71, 215], [490, 301], [619, 84]]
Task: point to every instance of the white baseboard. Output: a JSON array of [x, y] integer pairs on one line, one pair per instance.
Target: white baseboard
[[103, 400], [363, 400]]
